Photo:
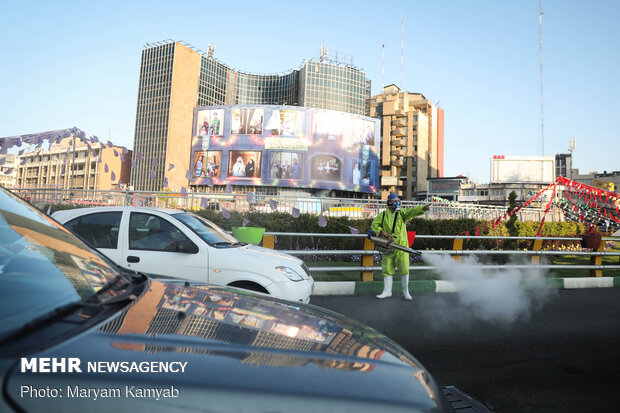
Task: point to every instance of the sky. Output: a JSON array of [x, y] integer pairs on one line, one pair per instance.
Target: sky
[[76, 63]]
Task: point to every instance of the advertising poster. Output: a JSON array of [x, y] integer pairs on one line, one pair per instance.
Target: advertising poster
[[326, 167], [247, 121], [210, 122], [275, 145], [328, 125], [244, 164], [285, 165], [207, 164], [286, 122]]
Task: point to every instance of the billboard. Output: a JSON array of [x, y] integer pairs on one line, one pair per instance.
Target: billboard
[[522, 169], [285, 146]]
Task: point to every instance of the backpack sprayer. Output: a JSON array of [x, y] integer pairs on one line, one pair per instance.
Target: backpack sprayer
[[387, 245]]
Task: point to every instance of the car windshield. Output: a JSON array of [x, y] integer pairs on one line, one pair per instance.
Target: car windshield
[[207, 230], [43, 266]]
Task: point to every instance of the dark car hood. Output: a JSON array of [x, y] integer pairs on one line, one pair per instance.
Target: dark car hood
[[239, 347]]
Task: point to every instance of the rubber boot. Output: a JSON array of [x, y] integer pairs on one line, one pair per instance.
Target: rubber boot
[[405, 281], [387, 287]]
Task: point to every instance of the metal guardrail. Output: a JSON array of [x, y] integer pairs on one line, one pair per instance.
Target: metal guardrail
[[366, 269], [349, 207]]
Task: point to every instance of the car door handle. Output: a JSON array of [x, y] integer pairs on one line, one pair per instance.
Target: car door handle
[[133, 258]]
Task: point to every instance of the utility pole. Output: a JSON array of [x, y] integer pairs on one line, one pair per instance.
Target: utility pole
[[542, 113], [72, 170]]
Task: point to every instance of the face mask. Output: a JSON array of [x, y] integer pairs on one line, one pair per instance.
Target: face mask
[[397, 205]]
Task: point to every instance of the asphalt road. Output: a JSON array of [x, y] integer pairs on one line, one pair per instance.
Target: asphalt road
[[559, 351]]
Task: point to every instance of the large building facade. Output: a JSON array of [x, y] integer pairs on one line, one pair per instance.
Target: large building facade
[[412, 146], [176, 78]]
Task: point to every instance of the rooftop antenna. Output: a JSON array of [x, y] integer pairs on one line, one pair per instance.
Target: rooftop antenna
[[542, 113], [383, 69], [571, 145], [210, 50], [402, 46]]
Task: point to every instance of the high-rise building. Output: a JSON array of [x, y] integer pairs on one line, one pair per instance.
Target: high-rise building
[[175, 78], [411, 143]]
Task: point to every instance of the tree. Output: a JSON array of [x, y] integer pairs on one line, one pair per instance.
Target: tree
[[511, 224]]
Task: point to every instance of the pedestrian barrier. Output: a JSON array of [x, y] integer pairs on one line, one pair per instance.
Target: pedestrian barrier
[[330, 207], [367, 252]]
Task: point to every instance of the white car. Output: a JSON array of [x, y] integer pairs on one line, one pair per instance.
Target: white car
[[179, 244]]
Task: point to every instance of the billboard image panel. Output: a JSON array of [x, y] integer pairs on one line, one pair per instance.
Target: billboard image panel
[[286, 165], [328, 125], [326, 168], [210, 122], [286, 146], [284, 122], [207, 164], [247, 121], [244, 164]]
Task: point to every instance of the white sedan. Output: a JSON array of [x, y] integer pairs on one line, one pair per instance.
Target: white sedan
[[179, 244]]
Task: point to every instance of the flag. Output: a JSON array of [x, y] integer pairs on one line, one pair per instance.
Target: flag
[[225, 213], [183, 191], [249, 197], [273, 205], [246, 222], [295, 213], [410, 237], [322, 221]]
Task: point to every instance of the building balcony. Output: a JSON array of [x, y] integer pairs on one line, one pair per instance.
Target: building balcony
[[398, 142], [399, 122], [399, 132], [396, 161], [398, 152]]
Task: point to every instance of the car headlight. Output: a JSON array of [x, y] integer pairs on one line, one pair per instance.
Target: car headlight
[[290, 273]]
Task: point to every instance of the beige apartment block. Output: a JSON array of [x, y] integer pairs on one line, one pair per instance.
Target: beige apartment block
[[84, 167], [8, 170], [411, 141]]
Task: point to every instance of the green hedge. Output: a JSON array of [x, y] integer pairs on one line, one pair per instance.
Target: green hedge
[[309, 223]]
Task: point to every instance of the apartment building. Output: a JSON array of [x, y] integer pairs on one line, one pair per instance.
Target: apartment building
[[412, 142], [68, 164], [8, 170]]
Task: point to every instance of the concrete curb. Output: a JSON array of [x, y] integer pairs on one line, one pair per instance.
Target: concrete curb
[[441, 286]]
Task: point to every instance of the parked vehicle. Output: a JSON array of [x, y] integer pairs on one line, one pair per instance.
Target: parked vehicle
[[78, 333], [176, 243]]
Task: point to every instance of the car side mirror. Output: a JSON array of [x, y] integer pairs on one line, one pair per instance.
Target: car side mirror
[[187, 247]]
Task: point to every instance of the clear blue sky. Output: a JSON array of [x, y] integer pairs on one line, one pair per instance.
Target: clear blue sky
[[76, 63]]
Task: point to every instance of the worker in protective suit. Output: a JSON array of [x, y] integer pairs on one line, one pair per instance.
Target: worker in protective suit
[[391, 224]]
